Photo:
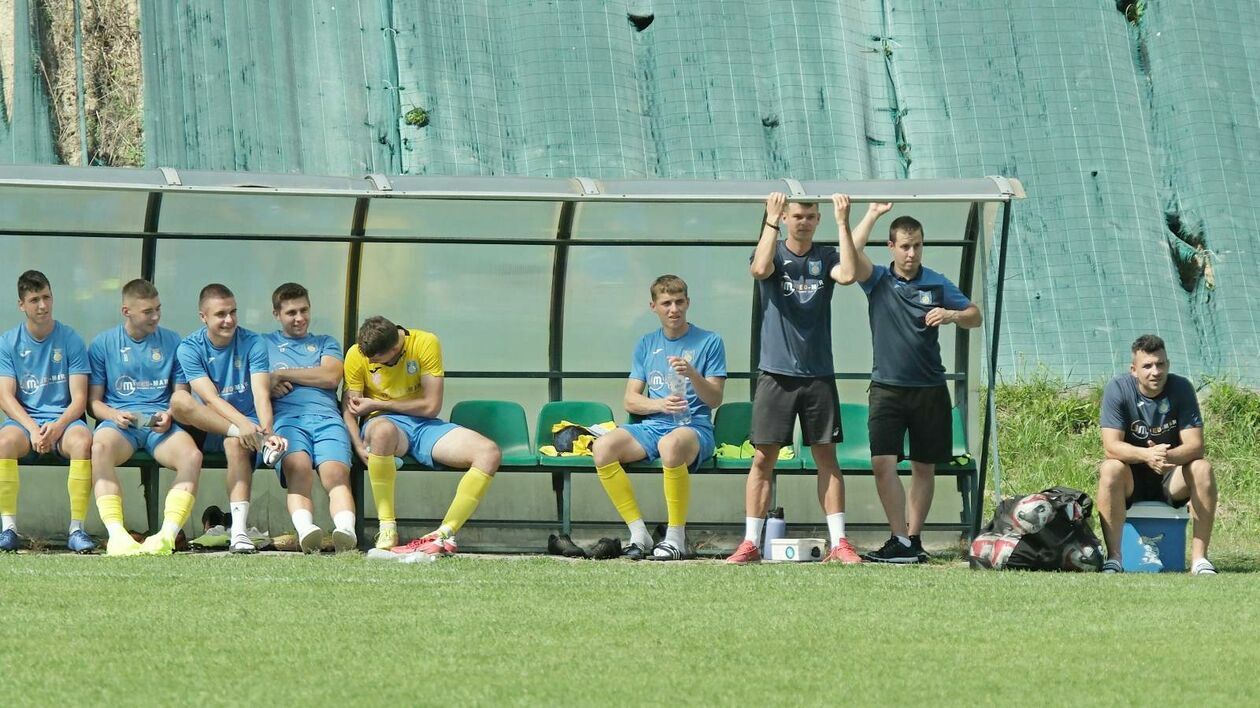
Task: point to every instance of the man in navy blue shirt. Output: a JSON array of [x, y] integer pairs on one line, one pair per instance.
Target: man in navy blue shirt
[[795, 280], [1152, 434], [907, 304]]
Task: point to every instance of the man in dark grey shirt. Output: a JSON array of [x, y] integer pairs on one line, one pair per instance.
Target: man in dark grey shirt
[[908, 304], [795, 278], [1152, 434]]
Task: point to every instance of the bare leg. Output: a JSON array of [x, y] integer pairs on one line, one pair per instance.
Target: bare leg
[[830, 481], [1115, 485], [891, 494], [922, 488], [1200, 485]]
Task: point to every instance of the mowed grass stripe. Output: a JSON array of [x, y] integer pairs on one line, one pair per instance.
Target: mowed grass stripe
[[283, 630]]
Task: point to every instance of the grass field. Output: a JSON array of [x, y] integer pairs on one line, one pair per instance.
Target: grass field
[[285, 629]]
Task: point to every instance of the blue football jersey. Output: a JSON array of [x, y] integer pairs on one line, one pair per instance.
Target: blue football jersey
[[229, 367], [305, 353], [42, 369], [138, 375], [705, 351]]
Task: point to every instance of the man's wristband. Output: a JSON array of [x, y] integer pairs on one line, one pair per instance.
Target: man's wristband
[[773, 226]]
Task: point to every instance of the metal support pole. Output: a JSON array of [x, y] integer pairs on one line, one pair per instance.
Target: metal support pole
[[990, 417]]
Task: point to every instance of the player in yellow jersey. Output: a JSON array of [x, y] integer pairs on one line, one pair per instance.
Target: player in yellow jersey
[[393, 394]]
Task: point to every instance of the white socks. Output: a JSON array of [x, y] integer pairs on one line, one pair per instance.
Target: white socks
[[344, 520], [303, 521], [676, 536], [835, 526], [8, 522], [76, 525], [240, 517], [752, 529], [639, 535]]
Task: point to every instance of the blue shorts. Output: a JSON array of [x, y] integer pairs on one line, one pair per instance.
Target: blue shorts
[[649, 434], [142, 438], [422, 433], [32, 455], [322, 437]]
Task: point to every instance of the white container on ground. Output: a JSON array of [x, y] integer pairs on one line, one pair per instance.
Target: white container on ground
[[796, 550]]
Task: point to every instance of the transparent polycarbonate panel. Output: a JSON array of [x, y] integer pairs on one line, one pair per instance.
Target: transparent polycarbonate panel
[[252, 270], [641, 220], [487, 304], [45, 209], [607, 300], [256, 214], [467, 218], [530, 393], [86, 274]]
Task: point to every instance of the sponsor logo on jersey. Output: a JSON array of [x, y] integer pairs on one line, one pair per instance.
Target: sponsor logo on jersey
[[125, 386]]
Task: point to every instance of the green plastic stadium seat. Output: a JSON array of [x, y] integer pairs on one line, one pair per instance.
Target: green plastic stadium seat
[[731, 424], [580, 412], [503, 422]]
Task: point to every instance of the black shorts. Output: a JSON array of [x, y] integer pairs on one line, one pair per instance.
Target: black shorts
[[1149, 485], [780, 399], [922, 411]]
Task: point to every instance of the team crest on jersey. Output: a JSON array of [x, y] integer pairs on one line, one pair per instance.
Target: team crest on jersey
[[815, 268], [925, 298], [236, 362], [156, 355], [310, 348], [412, 367], [376, 378], [1163, 406], [57, 356]]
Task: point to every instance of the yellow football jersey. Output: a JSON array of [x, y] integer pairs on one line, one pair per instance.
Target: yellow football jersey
[[421, 356]]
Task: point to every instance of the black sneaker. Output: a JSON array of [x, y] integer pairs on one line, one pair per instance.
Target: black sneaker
[[634, 552], [893, 551], [604, 549], [562, 545], [916, 545]]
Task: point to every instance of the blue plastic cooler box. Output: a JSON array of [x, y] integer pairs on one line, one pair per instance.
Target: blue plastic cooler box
[[1157, 527]]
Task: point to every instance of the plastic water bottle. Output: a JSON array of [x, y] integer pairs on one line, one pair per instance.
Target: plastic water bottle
[[678, 387], [776, 527]]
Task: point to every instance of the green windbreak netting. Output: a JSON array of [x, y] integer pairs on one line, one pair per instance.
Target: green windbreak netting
[[25, 127], [1136, 137], [273, 87]]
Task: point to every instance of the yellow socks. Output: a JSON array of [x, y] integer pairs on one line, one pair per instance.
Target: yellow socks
[[617, 484], [179, 505], [79, 485], [382, 471], [111, 511], [677, 494], [472, 488], [8, 487]]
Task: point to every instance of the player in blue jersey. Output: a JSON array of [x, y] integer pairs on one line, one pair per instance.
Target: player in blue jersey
[[43, 391], [305, 373], [134, 373], [677, 378], [230, 374]]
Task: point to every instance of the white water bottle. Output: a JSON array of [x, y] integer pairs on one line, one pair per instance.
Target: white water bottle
[[678, 387]]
